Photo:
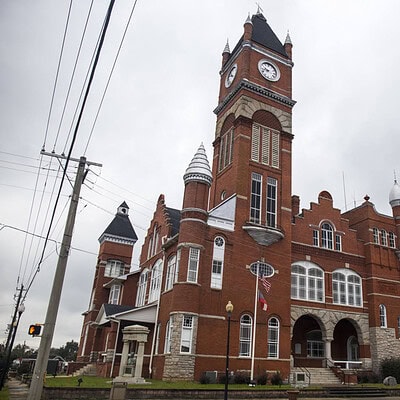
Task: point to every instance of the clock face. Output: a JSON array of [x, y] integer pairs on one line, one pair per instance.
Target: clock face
[[268, 70], [230, 76]]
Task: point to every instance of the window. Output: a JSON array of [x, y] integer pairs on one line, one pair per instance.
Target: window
[[153, 242], [375, 235], [186, 338], [383, 237], [398, 326], [273, 338], [316, 237], [265, 145], [114, 268], [346, 287], [155, 281], [245, 336], [315, 345], [157, 338], [226, 150], [382, 316], [338, 242], [193, 266], [114, 294], [392, 241], [255, 200], [170, 278], [218, 262], [307, 281], [271, 201], [142, 287], [168, 331], [326, 236]]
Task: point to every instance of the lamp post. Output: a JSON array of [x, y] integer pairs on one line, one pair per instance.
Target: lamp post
[[229, 309]]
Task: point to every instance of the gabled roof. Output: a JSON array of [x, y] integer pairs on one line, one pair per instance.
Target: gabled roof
[[263, 35]]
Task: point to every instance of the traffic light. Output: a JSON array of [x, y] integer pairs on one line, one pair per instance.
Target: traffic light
[[34, 330]]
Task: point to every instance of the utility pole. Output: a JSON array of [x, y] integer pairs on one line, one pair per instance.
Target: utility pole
[[35, 391]]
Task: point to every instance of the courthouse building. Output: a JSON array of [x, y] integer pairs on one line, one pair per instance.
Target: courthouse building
[[330, 293]]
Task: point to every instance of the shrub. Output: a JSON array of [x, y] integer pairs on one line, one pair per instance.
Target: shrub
[[276, 379], [262, 379], [241, 378], [391, 367], [204, 379], [368, 377]]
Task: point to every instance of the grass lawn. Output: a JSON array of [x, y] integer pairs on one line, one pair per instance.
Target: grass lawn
[[4, 393], [99, 382]]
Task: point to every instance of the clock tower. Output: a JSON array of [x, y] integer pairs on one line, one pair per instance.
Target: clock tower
[[252, 157]]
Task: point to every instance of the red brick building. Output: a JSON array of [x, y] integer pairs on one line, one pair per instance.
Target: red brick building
[[334, 277]]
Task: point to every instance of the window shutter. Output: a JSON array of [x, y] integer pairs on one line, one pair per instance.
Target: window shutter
[[265, 146], [275, 150], [255, 143]]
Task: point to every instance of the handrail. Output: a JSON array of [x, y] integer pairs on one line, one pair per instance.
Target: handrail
[[306, 372]]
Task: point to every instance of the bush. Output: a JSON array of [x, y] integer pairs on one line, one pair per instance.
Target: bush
[[241, 378], [262, 379], [391, 367], [276, 379], [204, 379], [368, 377]]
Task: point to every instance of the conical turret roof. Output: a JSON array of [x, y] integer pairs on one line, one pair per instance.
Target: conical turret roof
[[199, 168]]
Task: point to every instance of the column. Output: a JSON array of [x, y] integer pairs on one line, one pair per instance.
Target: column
[[328, 350], [139, 361], [124, 357]]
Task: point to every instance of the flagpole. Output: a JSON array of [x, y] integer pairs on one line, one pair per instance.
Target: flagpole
[[253, 347]]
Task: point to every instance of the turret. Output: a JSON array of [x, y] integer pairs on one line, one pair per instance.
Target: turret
[[394, 201]]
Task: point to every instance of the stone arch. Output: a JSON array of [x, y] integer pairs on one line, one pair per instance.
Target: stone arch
[[247, 106]]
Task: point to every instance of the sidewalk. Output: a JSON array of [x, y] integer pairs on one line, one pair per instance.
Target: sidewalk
[[17, 390]]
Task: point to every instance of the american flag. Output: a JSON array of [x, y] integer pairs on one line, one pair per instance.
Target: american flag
[[265, 284]]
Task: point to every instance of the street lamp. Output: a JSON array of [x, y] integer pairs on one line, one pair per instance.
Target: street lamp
[[229, 309]]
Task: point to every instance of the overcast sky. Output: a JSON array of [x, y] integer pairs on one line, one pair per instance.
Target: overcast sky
[[158, 109]]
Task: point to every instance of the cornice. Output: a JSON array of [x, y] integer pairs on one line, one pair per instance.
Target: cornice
[[252, 87]]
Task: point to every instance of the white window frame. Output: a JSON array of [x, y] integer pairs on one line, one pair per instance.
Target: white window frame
[[307, 282], [115, 292], [375, 235], [327, 235], [382, 316], [316, 237], [344, 290], [155, 281], [226, 149], [392, 240], [256, 198], [170, 276], [193, 264], [114, 268], [142, 288], [273, 337], [245, 337], [384, 241], [272, 202], [217, 267], [168, 335], [187, 334]]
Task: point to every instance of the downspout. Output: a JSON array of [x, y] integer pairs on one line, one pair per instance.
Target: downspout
[[115, 347], [156, 322]]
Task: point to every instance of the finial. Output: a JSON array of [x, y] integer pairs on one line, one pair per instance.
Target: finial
[[248, 20], [259, 9], [366, 197], [395, 178], [226, 48], [288, 40]]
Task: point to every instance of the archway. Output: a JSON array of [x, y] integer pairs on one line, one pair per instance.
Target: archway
[[345, 345], [308, 342]]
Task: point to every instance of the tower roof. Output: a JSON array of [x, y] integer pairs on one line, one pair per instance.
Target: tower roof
[[199, 168], [394, 195], [264, 35], [120, 227]]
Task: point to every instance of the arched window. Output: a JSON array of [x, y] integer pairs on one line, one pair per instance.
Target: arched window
[[246, 325], [142, 287], [218, 262], [382, 316], [171, 267], [346, 287], [392, 240], [273, 338], [155, 282], [327, 236], [307, 281], [168, 330]]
